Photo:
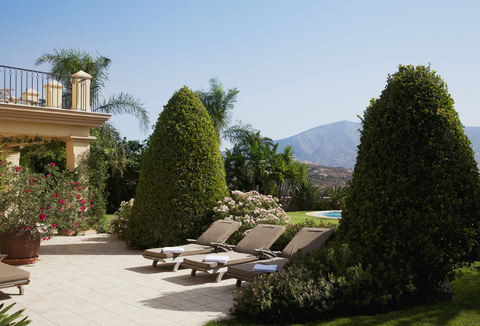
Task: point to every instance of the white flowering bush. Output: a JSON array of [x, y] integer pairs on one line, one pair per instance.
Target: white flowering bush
[[250, 208], [118, 224]]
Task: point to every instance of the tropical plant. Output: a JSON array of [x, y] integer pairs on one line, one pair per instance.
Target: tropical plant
[[43, 203], [181, 176], [307, 195], [254, 164], [66, 62], [219, 104], [336, 194], [7, 319], [415, 192], [250, 208]]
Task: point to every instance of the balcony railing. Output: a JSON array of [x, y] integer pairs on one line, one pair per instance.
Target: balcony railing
[[36, 88]]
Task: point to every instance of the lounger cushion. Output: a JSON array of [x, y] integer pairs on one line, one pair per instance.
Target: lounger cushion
[[12, 274], [307, 239], [218, 232], [233, 258], [244, 271], [189, 249], [261, 236]]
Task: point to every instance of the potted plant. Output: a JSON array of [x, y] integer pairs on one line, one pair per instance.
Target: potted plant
[[336, 193], [34, 206]]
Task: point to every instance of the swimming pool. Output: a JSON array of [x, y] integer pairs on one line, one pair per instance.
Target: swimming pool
[[327, 214]]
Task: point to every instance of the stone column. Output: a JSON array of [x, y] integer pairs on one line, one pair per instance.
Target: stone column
[[75, 147], [30, 96], [53, 94], [81, 91]]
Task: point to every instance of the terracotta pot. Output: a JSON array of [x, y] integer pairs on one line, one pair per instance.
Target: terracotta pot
[[20, 246]]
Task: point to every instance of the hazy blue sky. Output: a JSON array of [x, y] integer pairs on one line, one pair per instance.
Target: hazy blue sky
[[297, 64]]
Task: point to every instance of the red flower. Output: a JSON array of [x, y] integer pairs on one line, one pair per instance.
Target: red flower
[[42, 208], [55, 195], [78, 196], [54, 225], [78, 183], [69, 232], [52, 164], [17, 168], [42, 217], [62, 201]]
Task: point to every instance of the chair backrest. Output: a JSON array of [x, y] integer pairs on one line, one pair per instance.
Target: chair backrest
[[307, 239], [218, 232], [261, 236]]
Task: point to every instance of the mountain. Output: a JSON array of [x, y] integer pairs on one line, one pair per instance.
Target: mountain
[[335, 144]]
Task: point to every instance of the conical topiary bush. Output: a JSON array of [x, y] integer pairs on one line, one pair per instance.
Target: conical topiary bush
[[414, 200], [181, 178]]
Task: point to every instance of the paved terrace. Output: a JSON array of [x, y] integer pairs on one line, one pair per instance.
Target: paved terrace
[[95, 280]]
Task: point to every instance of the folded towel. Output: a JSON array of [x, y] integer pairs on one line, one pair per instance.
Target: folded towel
[[216, 258], [177, 250], [264, 268]]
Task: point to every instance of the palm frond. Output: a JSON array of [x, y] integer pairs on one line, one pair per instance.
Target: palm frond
[[124, 103]]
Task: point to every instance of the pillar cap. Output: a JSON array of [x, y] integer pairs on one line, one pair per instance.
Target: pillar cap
[[82, 74]]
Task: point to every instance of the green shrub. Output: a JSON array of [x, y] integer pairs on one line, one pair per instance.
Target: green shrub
[[118, 224], [307, 195], [250, 208], [289, 295], [415, 192], [181, 177]]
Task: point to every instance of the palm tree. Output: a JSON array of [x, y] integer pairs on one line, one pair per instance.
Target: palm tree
[[66, 62], [219, 104]]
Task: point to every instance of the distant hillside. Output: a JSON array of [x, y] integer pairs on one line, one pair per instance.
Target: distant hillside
[[335, 144]]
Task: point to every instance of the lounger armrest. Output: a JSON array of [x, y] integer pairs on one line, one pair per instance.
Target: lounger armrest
[[222, 247], [192, 240], [267, 254], [3, 256]]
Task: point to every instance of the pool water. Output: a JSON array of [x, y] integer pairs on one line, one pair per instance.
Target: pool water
[[331, 214]]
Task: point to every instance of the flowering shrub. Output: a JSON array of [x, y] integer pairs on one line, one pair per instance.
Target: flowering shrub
[[118, 224], [250, 208], [42, 203]]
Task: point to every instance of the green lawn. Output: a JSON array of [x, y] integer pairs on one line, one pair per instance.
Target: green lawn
[[299, 216]]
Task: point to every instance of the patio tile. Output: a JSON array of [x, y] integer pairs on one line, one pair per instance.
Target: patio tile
[[95, 280]]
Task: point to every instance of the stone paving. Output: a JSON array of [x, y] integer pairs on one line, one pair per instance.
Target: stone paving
[[96, 280]]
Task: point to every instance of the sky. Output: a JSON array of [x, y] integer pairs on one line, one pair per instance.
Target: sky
[[297, 64]]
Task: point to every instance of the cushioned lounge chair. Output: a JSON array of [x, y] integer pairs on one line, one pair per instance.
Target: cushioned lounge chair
[[216, 234], [261, 237], [307, 239], [13, 276]]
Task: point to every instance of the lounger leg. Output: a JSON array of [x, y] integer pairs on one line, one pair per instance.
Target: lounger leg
[[155, 262], [219, 277], [176, 266], [20, 288], [239, 283], [194, 271]]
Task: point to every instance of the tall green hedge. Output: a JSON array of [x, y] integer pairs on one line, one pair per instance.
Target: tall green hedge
[[414, 200], [181, 176]]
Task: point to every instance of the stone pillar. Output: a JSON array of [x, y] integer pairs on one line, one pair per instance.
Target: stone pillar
[[75, 147], [30, 96], [53, 94], [81, 91], [11, 157]]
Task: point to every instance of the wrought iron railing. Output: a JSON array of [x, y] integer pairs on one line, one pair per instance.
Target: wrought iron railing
[[36, 88]]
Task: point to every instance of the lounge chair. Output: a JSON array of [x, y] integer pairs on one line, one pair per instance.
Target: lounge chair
[[307, 239], [216, 234], [13, 276], [261, 237]]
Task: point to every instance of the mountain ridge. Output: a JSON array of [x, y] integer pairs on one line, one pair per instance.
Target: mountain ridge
[[335, 144]]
